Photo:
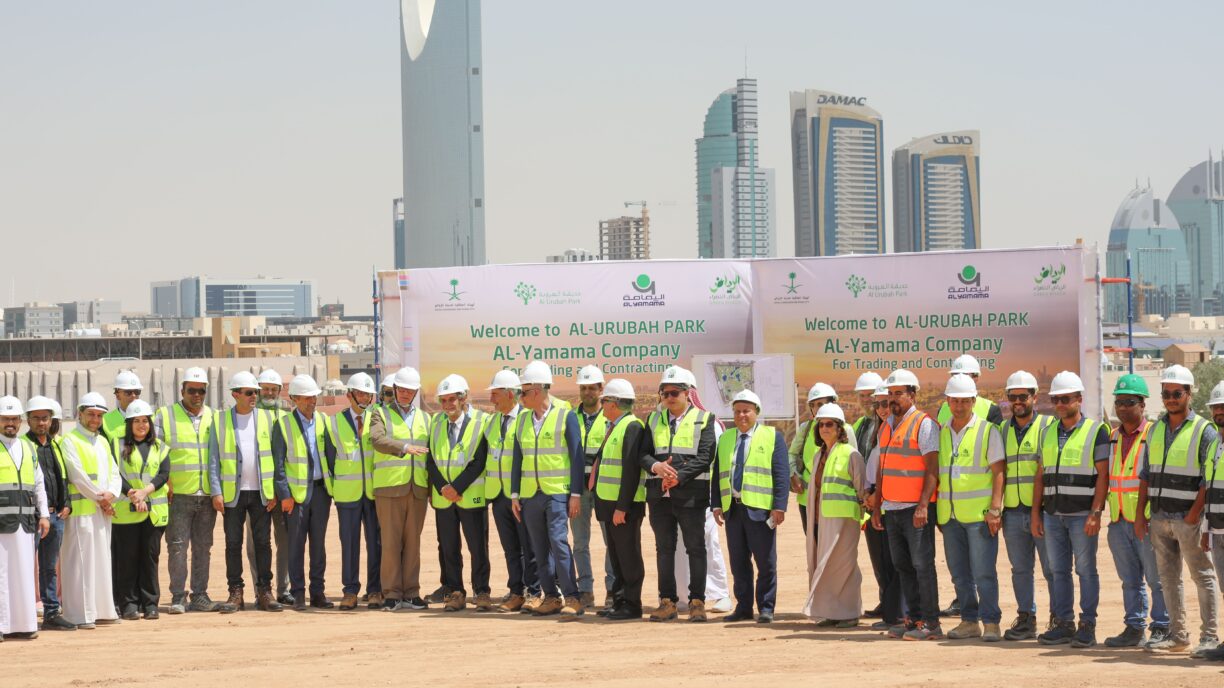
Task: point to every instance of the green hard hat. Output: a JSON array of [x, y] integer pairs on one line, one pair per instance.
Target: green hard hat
[[1131, 384]]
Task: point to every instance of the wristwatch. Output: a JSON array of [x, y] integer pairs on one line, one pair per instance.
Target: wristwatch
[[994, 511], [1097, 512]]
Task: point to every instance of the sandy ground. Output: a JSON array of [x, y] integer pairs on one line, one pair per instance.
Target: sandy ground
[[433, 648]]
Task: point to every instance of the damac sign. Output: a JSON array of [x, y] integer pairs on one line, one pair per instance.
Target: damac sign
[[955, 140], [841, 100]]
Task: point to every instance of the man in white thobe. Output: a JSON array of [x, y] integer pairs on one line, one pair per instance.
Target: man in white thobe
[[23, 511], [88, 595]]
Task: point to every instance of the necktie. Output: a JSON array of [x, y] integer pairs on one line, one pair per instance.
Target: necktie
[[451, 432], [737, 478], [671, 438], [505, 423], [360, 420]]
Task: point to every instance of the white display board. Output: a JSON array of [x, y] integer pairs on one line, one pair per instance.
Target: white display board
[[771, 376]]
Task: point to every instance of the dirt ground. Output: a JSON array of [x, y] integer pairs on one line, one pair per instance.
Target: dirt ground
[[369, 648]]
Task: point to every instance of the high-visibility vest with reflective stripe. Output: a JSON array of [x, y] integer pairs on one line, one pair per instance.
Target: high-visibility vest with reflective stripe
[[82, 505], [188, 448], [593, 438], [500, 458], [757, 490], [1068, 477], [838, 499], [686, 440], [391, 470], [1124, 476], [1213, 475], [981, 409], [807, 458], [903, 469], [353, 475], [612, 464], [452, 460], [546, 459], [965, 479], [297, 454], [18, 501], [113, 424], [1174, 472], [139, 471], [227, 443], [1022, 459]]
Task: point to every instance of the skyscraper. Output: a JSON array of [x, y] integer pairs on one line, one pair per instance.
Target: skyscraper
[[1198, 201], [1145, 229], [716, 148], [625, 238], [936, 193], [440, 83], [837, 146]]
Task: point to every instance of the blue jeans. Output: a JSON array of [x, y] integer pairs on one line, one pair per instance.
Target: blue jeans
[[913, 553], [1066, 544], [547, 520], [971, 552], [1135, 561], [580, 529], [1018, 537], [48, 557]]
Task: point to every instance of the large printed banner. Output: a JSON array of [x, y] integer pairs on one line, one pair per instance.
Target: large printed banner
[[1032, 309]]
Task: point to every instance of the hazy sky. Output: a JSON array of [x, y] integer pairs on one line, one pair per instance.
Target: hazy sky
[[152, 140]]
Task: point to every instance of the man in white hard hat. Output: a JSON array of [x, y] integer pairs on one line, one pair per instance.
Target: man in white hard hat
[[353, 489], [907, 479], [40, 417], [890, 611], [270, 384], [241, 473], [1213, 502], [304, 485], [1171, 483], [1068, 498], [617, 480], [983, 408], [93, 481], [803, 447], [399, 433], [1022, 435], [970, 510], [387, 391], [127, 389], [185, 426], [749, 496], [546, 487], [594, 426], [511, 532], [22, 523]]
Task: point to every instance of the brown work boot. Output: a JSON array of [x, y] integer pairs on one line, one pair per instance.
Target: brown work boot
[[666, 611], [513, 604], [456, 601], [531, 603], [573, 607], [547, 607], [236, 598], [376, 600], [697, 612], [348, 603], [484, 603], [265, 602], [587, 599]]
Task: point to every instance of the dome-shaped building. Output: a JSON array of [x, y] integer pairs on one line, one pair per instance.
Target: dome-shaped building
[[1198, 200], [1145, 228]]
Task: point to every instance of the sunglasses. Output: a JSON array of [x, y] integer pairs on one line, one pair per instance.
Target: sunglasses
[[1175, 394], [1126, 403], [827, 424], [1062, 399], [130, 392], [671, 393], [199, 391], [1019, 398], [247, 392]]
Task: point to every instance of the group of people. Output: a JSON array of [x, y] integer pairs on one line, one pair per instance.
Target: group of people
[[107, 492]]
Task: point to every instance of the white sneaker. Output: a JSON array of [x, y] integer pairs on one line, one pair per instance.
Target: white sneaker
[[723, 605], [1204, 647]]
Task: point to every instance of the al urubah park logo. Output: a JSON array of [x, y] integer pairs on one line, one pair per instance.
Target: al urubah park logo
[[1049, 280], [529, 295], [454, 299], [644, 293], [860, 286]]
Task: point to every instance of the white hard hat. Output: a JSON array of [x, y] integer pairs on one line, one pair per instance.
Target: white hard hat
[[537, 373], [361, 382], [452, 384], [748, 396], [270, 377], [139, 407], [243, 380], [1176, 375], [304, 386], [675, 375], [388, 381], [881, 391], [408, 378], [1021, 379], [620, 389], [10, 406], [195, 375], [590, 375], [965, 364], [902, 378], [92, 400], [831, 411], [1217, 395], [960, 387], [40, 403], [126, 379], [867, 382], [505, 379], [822, 391], [57, 411], [1066, 382]]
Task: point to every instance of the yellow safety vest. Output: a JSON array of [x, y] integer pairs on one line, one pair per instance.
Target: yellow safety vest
[[546, 459], [188, 448], [612, 463], [353, 476], [227, 443], [966, 482], [139, 471], [297, 454], [391, 470], [757, 489], [838, 498], [451, 460]]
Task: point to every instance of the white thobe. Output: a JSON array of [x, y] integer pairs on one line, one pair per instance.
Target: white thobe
[[88, 594], [18, 552], [716, 568]]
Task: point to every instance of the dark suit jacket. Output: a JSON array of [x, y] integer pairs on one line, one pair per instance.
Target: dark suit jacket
[[690, 492], [630, 476]]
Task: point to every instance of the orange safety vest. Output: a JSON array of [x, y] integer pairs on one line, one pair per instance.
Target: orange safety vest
[[901, 461], [1124, 475]]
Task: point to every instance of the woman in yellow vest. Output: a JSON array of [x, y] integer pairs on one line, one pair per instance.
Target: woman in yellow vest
[[836, 488], [141, 513]]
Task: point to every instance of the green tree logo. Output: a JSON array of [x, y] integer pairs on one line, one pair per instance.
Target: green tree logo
[[525, 291], [856, 284]]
